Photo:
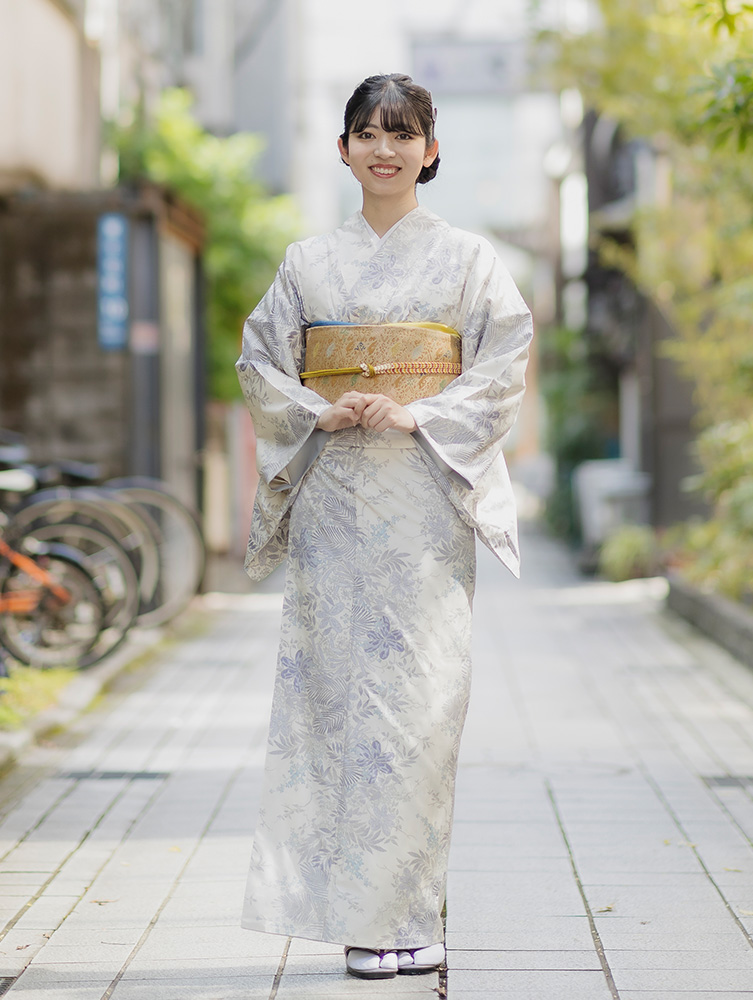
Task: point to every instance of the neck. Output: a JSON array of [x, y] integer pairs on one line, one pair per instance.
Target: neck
[[382, 215]]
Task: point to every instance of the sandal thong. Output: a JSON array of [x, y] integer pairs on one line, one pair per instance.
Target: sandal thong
[[420, 961], [360, 962]]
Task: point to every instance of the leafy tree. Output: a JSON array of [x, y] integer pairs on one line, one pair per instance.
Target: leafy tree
[[247, 229], [679, 74]]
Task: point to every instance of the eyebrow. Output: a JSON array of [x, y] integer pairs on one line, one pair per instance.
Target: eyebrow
[[372, 125]]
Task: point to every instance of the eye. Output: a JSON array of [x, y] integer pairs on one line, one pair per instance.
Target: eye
[[365, 135], [406, 135]]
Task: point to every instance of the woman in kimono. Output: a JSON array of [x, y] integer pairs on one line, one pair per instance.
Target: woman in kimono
[[375, 505]]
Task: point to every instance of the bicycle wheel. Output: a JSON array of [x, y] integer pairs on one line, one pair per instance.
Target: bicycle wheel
[[112, 571], [182, 553], [55, 633], [104, 510]]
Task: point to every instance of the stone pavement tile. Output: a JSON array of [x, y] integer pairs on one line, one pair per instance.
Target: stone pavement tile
[[347, 987], [176, 943], [71, 991], [46, 912], [81, 954], [71, 935], [483, 900], [330, 965], [222, 856], [673, 880], [658, 858], [47, 977], [197, 912], [542, 985], [219, 988], [647, 901], [546, 841], [216, 891], [300, 946], [491, 858], [648, 938], [517, 839], [739, 957], [683, 979], [684, 995], [533, 960], [62, 886], [559, 933], [672, 922], [17, 949], [227, 968], [15, 880]]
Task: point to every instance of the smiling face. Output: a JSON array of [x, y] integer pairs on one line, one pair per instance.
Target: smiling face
[[386, 163]]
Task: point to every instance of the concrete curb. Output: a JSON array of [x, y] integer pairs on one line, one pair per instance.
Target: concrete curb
[[78, 695], [729, 624]]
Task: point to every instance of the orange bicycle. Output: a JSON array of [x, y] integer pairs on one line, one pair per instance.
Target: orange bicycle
[[51, 609]]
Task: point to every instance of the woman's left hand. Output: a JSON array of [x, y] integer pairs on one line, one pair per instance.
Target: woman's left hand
[[380, 413]]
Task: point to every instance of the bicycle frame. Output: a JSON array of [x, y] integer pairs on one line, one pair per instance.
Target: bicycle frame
[[22, 601]]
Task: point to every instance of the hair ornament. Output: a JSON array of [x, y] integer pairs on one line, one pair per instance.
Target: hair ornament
[[434, 115]]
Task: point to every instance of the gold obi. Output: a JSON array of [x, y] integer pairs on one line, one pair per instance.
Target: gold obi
[[406, 361]]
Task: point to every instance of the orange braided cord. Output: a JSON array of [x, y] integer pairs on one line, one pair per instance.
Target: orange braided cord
[[417, 368]]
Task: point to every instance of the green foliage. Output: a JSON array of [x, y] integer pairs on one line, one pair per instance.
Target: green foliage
[[723, 14], [580, 421], [729, 111], [679, 74], [719, 553], [631, 551], [247, 229]]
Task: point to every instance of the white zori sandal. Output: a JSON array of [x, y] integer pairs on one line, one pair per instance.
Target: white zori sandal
[[367, 964], [418, 961]]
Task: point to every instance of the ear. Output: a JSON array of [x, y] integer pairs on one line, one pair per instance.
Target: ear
[[431, 153], [343, 151]]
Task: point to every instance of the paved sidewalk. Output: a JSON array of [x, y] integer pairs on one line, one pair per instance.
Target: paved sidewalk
[[602, 844]]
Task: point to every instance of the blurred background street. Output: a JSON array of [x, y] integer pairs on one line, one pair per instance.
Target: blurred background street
[[156, 157]]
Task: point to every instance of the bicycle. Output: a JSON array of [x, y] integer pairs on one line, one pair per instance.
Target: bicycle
[[51, 611], [141, 519]]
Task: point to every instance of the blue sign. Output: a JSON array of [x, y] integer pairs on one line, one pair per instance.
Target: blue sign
[[112, 281]]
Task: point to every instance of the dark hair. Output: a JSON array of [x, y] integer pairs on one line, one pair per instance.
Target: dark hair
[[403, 105]]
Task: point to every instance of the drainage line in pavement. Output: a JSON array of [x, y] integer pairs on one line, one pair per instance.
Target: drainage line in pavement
[[48, 813], [176, 882], [280, 969], [576, 874], [678, 823], [48, 882]]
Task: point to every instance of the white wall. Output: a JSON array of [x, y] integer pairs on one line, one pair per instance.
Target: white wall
[[47, 74]]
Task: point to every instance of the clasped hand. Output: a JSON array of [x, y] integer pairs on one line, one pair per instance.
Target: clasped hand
[[369, 409]]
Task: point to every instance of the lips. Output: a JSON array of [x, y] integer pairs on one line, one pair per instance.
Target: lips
[[384, 171]]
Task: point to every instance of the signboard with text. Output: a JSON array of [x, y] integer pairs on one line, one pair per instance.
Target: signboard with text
[[112, 281]]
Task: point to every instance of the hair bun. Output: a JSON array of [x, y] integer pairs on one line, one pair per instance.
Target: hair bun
[[430, 172]]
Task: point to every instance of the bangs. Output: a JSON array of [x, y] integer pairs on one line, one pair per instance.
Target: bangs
[[396, 111]]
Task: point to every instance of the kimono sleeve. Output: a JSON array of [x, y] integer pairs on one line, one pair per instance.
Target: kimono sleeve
[[464, 427], [283, 410]]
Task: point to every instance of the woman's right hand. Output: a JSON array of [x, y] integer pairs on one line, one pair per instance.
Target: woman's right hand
[[344, 412]]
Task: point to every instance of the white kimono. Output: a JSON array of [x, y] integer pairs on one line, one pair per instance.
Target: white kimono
[[374, 666]]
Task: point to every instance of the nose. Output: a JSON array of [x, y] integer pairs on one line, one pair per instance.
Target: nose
[[384, 146]]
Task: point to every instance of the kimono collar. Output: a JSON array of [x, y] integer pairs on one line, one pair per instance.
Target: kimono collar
[[415, 214]]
